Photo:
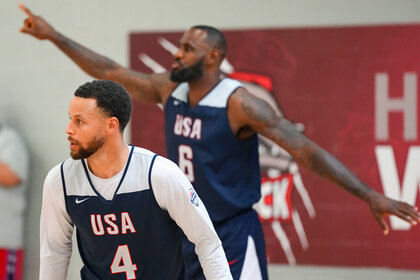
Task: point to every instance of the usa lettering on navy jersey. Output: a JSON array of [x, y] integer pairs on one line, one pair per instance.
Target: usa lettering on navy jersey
[[121, 238], [187, 127], [201, 142]]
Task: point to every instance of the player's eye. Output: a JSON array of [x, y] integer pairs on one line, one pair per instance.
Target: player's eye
[[187, 48], [79, 121]]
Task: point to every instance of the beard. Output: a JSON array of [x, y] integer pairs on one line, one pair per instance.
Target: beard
[[191, 73], [91, 148]]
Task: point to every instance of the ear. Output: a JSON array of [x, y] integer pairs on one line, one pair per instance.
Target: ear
[[214, 57], [112, 124]]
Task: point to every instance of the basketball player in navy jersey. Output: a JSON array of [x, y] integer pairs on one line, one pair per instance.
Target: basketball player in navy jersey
[[211, 132], [126, 202]]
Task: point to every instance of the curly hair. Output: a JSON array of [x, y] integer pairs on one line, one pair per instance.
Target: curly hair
[[112, 98]]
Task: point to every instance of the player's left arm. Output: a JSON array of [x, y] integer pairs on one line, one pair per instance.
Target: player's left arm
[[249, 114], [175, 194]]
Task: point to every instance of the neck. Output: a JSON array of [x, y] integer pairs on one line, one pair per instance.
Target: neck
[[109, 160], [201, 87]]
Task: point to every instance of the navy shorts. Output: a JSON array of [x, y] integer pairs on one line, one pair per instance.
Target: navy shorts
[[243, 241]]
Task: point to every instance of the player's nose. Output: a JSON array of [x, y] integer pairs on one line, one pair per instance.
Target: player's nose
[[69, 129], [178, 54]]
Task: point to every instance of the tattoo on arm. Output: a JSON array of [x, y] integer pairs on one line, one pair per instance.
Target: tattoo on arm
[[258, 110], [263, 119], [92, 63], [98, 66]]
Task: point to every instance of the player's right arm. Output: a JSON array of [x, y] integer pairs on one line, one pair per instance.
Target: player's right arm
[[152, 88], [56, 230]]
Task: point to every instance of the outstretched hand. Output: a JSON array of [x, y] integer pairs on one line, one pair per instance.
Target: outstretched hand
[[35, 25], [382, 207]]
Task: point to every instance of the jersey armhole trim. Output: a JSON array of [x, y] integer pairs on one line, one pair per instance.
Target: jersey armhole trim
[[150, 171]]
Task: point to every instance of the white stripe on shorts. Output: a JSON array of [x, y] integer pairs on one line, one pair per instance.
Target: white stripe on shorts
[[251, 268]]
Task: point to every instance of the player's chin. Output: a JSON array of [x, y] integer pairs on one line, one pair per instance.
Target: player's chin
[[75, 155]]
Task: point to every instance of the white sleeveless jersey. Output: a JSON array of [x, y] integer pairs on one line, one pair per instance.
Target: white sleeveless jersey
[[133, 235]]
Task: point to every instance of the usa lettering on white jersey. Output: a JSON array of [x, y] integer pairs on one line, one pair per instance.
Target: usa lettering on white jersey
[[112, 227]]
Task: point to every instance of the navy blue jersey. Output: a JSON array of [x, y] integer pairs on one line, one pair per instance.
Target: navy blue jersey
[[223, 169], [128, 237]]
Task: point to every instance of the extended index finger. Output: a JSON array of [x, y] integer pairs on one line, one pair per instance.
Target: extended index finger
[[25, 10]]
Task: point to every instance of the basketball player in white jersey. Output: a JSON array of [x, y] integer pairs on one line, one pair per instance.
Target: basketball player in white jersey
[[126, 203]]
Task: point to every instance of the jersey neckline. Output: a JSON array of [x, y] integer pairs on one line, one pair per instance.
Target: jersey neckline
[[120, 182]]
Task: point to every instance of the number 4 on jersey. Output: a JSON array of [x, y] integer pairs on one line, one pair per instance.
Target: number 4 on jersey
[[122, 263]]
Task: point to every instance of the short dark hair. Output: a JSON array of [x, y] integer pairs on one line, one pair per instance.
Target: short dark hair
[[112, 98], [215, 37]]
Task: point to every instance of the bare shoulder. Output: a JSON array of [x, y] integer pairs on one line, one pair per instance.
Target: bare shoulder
[[239, 100], [250, 108], [248, 112]]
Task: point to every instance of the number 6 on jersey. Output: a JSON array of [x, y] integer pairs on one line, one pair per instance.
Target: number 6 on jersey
[[185, 161]]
